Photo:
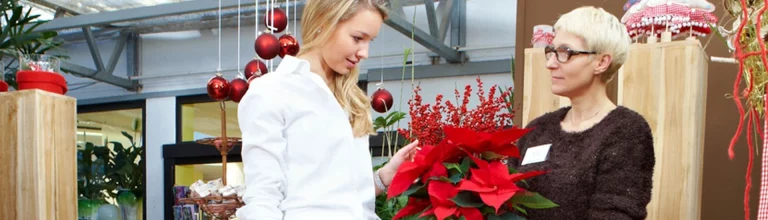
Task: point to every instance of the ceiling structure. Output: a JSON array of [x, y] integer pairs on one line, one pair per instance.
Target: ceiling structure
[[126, 20]]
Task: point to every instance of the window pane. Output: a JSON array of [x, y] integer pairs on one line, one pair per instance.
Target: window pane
[[110, 149], [188, 174], [203, 120]]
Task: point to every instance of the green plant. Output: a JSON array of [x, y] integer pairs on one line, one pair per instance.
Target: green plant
[[92, 182], [18, 36], [126, 168]]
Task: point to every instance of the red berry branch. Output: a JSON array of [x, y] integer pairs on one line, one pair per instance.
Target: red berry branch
[[427, 120]]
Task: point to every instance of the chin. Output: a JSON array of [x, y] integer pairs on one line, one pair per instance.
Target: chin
[[559, 91]]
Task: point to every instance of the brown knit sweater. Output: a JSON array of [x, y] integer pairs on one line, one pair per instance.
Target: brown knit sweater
[[604, 172]]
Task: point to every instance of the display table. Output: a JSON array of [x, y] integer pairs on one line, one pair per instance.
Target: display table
[[38, 162]]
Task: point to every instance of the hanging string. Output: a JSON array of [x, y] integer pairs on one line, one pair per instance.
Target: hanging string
[[256, 21], [219, 68], [239, 73], [287, 14], [294, 16]]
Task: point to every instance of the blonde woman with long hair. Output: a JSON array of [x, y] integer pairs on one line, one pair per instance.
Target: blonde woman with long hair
[[305, 126]]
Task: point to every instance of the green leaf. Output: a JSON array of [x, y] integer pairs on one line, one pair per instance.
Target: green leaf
[[455, 178], [465, 163], [533, 200], [453, 166], [506, 216], [467, 199], [393, 117], [520, 209], [415, 190]]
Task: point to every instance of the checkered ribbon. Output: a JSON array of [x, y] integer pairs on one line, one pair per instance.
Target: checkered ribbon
[[762, 210]]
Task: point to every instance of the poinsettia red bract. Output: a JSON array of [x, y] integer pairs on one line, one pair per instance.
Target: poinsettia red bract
[[500, 142], [493, 182]]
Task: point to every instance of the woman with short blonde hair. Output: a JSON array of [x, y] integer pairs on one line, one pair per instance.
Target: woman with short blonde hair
[[599, 156]]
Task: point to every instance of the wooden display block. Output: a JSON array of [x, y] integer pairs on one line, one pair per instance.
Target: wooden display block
[[38, 161], [537, 87], [666, 83]]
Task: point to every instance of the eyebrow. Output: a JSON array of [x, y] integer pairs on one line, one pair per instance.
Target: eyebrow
[[366, 34]]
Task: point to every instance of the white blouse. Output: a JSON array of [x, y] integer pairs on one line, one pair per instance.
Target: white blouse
[[300, 158]]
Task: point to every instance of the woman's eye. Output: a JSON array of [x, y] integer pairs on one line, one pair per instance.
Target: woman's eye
[[357, 38]]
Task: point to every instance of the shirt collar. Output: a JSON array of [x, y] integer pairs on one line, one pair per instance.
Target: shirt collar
[[291, 64]]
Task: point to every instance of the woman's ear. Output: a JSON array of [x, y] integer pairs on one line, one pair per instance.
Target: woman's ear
[[603, 64]]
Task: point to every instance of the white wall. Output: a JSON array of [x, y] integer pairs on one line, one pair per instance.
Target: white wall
[[160, 130]]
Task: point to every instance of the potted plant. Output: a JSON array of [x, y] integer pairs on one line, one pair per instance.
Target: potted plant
[[18, 37], [126, 172]]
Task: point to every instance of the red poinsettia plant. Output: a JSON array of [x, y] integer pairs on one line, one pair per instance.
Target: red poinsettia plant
[[460, 173]]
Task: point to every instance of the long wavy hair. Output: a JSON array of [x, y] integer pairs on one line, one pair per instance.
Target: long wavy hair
[[326, 14]]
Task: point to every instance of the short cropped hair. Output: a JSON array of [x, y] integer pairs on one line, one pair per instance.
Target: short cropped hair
[[602, 32]]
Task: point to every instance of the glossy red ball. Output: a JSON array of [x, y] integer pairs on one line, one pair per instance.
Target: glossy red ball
[[281, 20], [218, 88], [237, 89], [381, 100], [267, 46], [288, 45], [255, 68]]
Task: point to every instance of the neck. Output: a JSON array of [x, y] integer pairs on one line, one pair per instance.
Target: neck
[[318, 66], [590, 103]]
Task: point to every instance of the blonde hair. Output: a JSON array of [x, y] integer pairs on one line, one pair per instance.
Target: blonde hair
[[318, 23], [602, 32]]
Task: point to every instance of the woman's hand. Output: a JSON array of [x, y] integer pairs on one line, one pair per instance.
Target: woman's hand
[[406, 153]]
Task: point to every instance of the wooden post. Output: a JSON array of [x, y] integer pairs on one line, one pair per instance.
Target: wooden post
[[537, 87], [666, 83], [38, 161]]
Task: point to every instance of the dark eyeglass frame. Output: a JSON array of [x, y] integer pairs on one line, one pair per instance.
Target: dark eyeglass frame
[[549, 51]]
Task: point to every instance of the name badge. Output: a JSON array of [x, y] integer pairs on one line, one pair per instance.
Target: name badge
[[536, 154]]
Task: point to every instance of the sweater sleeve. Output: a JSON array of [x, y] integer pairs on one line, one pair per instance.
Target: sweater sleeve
[[624, 174]]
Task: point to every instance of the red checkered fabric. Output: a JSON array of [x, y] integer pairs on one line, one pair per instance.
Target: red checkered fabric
[[677, 16], [541, 37], [762, 210]]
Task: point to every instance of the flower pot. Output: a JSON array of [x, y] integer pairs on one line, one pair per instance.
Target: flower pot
[[47, 81]]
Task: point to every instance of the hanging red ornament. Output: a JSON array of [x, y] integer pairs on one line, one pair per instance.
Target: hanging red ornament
[[255, 67], [288, 45], [267, 46], [218, 88], [237, 89], [280, 19], [3, 86], [382, 100]]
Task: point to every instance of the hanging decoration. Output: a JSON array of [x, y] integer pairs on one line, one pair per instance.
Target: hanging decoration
[[237, 89], [276, 20], [679, 17], [218, 199], [746, 39], [267, 46], [381, 100], [218, 88], [288, 45], [255, 68]]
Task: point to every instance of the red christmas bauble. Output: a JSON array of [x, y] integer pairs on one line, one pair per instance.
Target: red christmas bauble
[[3, 86], [255, 67], [288, 45], [218, 88], [237, 89], [267, 46], [381, 100], [281, 20]]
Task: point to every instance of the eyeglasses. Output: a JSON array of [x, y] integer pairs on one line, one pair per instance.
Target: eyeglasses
[[563, 53]]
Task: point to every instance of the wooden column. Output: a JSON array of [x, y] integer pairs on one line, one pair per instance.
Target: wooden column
[[38, 160], [667, 84], [537, 87]]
